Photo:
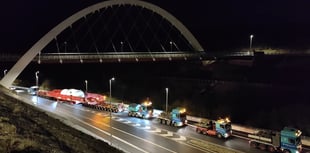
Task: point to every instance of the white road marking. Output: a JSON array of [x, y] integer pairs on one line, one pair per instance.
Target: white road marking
[[181, 138], [122, 132], [146, 127], [169, 134], [154, 131]]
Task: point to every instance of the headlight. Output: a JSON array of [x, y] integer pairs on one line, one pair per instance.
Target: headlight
[[225, 135]]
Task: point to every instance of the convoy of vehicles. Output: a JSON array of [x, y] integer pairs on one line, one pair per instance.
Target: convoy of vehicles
[[176, 117], [286, 141], [220, 128], [144, 110]]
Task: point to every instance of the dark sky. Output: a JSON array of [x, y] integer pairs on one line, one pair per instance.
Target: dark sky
[[217, 24]]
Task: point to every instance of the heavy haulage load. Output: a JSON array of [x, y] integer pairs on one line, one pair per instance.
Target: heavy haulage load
[[73, 96]]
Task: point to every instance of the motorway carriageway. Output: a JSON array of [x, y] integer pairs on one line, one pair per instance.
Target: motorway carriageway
[[137, 135]]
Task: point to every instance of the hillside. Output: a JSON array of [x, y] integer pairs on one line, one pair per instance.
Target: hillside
[[26, 129]]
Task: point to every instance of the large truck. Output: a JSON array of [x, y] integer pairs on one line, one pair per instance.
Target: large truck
[[176, 117], [287, 140], [144, 110], [220, 128]]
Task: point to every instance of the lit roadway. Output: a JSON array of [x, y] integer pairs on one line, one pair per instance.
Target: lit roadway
[[138, 135]]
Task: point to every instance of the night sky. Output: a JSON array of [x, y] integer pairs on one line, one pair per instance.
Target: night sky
[[218, 25]]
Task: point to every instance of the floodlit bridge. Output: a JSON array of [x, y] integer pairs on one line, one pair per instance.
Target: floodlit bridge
[[115, 30]]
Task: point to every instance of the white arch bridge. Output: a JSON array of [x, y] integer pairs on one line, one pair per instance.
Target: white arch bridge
[[125, 37]]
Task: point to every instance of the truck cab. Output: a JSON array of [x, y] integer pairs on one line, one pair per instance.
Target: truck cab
[[291, 140], [220, 128], [176, 117], [144, 110]]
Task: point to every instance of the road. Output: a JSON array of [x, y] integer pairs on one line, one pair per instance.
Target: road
[[139, 135]]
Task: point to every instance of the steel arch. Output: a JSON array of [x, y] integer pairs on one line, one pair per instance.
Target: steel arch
[[9, 78]]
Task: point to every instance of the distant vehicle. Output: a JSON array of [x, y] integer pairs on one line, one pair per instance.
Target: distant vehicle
[[144, 110], [176, 117], [73, 96], [286, 141], [220, 128], [33, 90]]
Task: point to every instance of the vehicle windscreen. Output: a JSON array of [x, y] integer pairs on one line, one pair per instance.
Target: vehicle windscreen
[[228, 126]]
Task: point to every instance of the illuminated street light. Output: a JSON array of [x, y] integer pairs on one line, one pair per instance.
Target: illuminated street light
[[37, 84], [86, 87], [122, 46], [65, 46], [110, 82], [4, 72], [251, 37], [37, 78], [171, 46], [167, 100]]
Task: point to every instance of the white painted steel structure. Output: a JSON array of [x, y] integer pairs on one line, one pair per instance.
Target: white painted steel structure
[[21, 64]]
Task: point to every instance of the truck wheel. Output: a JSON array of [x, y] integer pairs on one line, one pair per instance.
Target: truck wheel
[[271, 149], [286, 151], [219, 135], [262, 146], [198, 130], [168, 122], [253, 144], [204, 132]]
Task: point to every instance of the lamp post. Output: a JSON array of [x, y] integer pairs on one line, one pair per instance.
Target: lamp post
[[65, 46], [37, 83], [4, 72], [37, 78], [86, 87], [171, 46], [251, 37], [110, 83], [122, 46], [167, 100]]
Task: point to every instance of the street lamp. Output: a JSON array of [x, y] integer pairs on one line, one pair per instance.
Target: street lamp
[[110, 82], [86, 88], [171, 46], [37, 84], [4, 72], [122, 46], [65, 46], [167, 100], [251, 37], [37, 78]]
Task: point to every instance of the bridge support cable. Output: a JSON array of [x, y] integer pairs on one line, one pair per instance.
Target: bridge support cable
[[58, 50], [94, 43], [76, 43], [126, 36], [141, 39]]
